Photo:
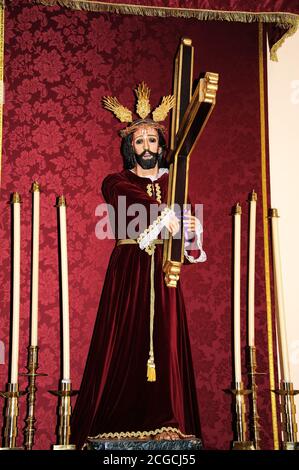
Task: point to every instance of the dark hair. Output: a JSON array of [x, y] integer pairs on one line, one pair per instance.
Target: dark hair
[[129, 156]]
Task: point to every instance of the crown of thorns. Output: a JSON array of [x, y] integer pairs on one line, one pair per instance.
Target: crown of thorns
[[143, 109]]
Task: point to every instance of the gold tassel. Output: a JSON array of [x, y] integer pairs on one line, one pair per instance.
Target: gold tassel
[[151, 370]]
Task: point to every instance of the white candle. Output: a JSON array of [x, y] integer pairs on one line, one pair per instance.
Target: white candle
[[251, 267], [237, 289], [280, 314], [16, 201], [64, 289], [35, 263]]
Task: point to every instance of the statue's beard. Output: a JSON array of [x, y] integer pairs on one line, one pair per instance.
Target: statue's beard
[[147, 163]]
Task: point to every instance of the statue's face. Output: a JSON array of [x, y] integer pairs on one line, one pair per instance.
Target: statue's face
[[145, 143]]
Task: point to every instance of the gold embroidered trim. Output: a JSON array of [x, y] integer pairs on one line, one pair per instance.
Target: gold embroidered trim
[[128, 434], [149, 189], [158, 193], [289, 20]]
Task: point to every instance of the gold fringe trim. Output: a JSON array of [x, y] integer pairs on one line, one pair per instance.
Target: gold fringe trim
[[128, 435], [1, 81], [289, 32], [266, 242], [289, 20]]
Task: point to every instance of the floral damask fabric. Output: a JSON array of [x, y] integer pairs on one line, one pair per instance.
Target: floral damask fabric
[[58, 65]]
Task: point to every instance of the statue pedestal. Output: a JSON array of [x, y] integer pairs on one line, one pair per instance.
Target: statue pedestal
[[150, 445]]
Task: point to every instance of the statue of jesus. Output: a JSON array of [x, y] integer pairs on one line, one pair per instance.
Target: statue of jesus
[[139, 381]]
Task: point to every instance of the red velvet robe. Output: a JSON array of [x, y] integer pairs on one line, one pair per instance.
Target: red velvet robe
[[115, 395]]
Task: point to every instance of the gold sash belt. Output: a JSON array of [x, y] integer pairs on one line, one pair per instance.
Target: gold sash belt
[[131, 241], [151, 367]]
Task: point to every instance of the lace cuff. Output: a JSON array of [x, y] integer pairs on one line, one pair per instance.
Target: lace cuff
[[195, 245], [152, 232]]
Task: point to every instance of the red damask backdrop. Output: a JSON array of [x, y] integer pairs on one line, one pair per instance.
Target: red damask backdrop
[[58, 65]]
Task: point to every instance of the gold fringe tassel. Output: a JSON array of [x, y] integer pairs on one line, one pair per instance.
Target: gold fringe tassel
[[289, 20], [151, 371], [151, 367]]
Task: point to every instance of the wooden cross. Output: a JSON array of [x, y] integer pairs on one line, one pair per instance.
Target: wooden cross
[[189, 118]]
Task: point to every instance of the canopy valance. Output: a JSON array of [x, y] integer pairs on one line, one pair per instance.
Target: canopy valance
[[282, 16]]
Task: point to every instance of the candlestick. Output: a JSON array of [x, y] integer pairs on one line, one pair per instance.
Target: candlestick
[[35, 262], [237, 288], [12, 392], [61, 204], [251, 267], [281, 322], [65, 411], [16, 207], [65, 392]]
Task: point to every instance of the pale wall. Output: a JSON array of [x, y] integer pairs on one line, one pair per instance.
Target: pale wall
[[283, 94]]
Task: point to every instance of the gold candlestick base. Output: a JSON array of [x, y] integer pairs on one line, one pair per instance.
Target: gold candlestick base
[[243, 445], [11, 396], [32, 366], [288, 413], [65, 411], [290, 446], [239, 408]]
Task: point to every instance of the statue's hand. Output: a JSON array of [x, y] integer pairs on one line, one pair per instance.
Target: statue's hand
[[190, 224], [173, 225]]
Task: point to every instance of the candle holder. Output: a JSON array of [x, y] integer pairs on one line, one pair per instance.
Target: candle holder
[[252, 373], [64, 411], [11, 396], [288, 413], [32, 366], [239, 409]]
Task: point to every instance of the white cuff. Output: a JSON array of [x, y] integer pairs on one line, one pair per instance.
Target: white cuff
[[198, 246], [152, 232]]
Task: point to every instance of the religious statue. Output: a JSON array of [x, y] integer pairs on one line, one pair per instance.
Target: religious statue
[[139, 381]]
